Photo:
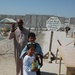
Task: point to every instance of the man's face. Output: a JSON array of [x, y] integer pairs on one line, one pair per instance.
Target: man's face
[[20, 24]]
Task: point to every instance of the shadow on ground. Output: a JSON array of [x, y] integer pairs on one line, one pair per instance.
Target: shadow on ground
[[47, 73]]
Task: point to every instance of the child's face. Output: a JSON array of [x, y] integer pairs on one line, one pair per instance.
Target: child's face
[[31, 39], [31, 51]]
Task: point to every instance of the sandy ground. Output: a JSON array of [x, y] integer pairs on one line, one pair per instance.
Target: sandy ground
[[7, 66], [7, 63]]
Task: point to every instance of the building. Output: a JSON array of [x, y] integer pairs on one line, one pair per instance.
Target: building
[[39, 21]]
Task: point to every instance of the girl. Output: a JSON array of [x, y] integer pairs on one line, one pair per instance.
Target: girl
[[28, 59]]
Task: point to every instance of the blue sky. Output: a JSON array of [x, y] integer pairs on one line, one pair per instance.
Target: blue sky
[[65, 8]]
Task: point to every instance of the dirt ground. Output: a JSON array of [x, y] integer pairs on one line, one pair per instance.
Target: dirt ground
[[7, 61], [7, 65]]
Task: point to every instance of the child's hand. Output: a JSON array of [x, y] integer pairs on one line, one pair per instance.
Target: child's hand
[[36, 69], [41, 64]]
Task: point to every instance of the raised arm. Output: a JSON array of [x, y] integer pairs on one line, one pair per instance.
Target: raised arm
[[11, 34]]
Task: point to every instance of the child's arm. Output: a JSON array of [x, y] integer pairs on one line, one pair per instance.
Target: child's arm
[[23, 51], [40, 58], [40, 53]]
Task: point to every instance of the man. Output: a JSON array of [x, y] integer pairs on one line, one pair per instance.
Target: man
[[67, 28], [20, 36]]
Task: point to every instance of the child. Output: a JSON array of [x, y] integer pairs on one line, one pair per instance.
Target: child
[[28, 67], [32, 38]]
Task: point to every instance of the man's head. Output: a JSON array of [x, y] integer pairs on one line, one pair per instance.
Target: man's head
[[20, 23], [31, 37]]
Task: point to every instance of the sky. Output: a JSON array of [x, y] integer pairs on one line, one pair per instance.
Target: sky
[[63, 8]]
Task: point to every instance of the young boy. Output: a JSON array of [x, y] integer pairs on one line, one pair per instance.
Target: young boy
[[38, 50], [29, 68]]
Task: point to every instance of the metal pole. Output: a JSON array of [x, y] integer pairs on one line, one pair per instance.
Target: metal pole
[[30, 23], [50, 46]]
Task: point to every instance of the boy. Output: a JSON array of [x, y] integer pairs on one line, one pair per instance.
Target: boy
[[28, 67], [38, 50]]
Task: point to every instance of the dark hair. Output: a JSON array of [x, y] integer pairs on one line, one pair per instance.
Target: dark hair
[[30, 44], [31, 34]]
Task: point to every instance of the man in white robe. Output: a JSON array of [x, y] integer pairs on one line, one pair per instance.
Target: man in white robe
[[20, 37]]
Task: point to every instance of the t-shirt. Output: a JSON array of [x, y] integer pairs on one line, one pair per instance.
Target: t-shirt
[[27, 61]]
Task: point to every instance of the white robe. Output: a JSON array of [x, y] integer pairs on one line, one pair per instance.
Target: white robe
[[20, 40]]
